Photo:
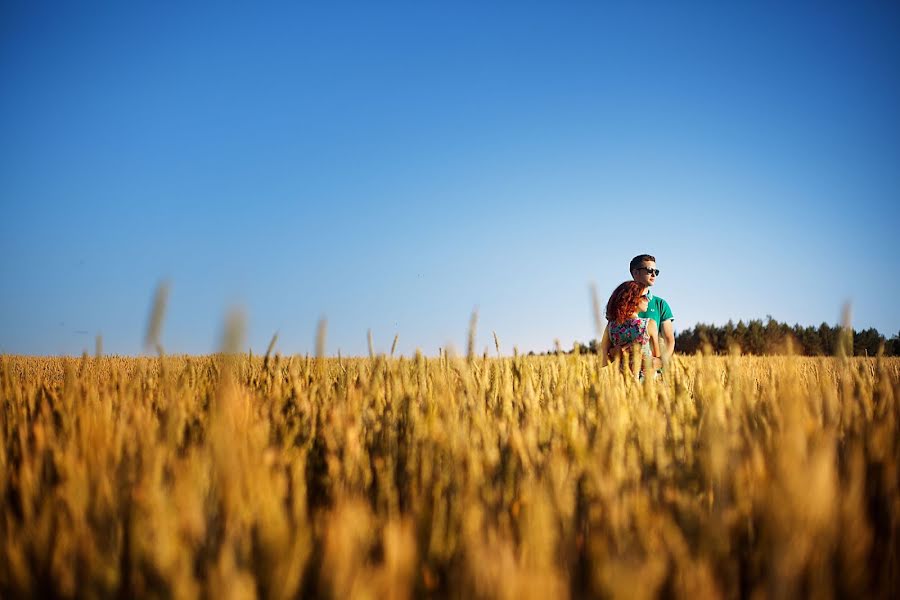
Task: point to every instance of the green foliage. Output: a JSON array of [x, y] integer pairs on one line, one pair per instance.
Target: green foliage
[[771, 337]]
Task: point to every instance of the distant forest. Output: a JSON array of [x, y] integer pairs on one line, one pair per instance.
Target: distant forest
[[771, 337]]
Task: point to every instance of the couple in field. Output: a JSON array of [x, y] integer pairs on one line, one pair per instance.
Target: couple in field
[[639, 331]]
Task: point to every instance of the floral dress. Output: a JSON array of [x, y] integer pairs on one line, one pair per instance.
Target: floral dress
[[622, 336]]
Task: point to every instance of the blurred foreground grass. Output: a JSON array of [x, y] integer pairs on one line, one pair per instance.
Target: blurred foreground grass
[[528, 477]]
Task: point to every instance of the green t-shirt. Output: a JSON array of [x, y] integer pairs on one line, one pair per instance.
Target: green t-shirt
[[658, 310]]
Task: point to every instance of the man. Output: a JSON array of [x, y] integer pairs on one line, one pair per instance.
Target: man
[[644, 271]]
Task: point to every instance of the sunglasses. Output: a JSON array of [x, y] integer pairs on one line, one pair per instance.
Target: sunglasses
[[653, 272], [643, 298]]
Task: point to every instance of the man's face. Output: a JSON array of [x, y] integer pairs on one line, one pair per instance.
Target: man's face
[[644, 274]]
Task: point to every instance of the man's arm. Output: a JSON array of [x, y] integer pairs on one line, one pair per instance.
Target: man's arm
[[655, 358], [668, 334]]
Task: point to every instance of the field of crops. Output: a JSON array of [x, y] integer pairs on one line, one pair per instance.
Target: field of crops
[[232, 476]]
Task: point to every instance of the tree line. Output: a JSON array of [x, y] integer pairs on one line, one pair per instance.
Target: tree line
[[771, 337]]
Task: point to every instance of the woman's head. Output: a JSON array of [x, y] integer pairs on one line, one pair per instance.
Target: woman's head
[[626, 300]]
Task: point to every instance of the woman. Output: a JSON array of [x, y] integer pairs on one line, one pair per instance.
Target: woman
[[627, 337]]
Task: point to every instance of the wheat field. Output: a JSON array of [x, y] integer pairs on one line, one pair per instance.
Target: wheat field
[[233, 476]]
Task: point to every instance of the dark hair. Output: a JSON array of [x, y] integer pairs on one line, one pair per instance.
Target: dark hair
[[639, 260], [624, 301]]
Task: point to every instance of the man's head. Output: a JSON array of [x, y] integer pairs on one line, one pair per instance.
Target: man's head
[[643, 269]]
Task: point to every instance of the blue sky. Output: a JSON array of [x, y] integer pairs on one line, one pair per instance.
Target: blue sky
[[391, 166]]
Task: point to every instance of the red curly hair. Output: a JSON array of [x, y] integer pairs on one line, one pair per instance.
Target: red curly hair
[[624, 301]]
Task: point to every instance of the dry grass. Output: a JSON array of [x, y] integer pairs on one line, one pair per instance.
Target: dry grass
[[227, 476]]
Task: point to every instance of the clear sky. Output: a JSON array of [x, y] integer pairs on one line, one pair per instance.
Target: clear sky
[[391, 166]]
